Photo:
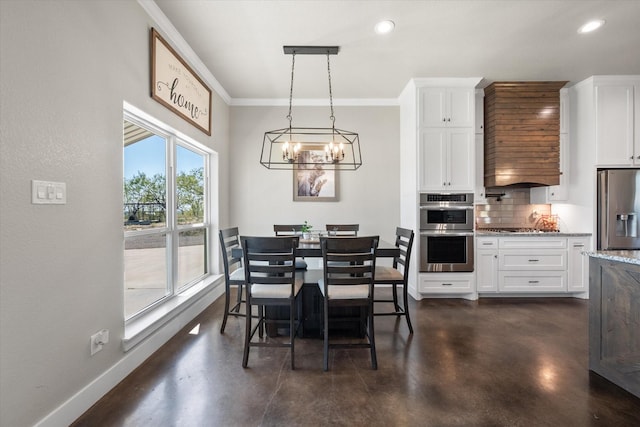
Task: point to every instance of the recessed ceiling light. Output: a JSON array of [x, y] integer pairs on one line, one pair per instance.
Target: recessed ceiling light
[[591, 26], [384, 27]]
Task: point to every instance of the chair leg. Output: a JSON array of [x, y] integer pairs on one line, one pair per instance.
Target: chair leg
[[405, 295], [247, 335], [239, 298], [395, 298], [325, 353], [226, 308], [261, 321], [372, 339], [292, 331]]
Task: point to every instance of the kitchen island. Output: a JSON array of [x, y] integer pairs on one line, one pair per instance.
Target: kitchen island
[[614, 317]]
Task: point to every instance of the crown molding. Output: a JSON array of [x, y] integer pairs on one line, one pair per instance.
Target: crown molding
[[314, 102]]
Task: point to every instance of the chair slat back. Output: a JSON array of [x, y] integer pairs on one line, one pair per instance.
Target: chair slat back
[[404, 241], [343, 229], [287, 229], [349, 260], [229, 239], [269, 260]]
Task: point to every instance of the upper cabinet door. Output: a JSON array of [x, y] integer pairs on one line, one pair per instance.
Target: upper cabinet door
[[614, 125], [432, 107], [460, 107], [433, 159], [446, 107]]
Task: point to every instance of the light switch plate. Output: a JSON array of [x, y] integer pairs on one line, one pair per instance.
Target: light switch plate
[[48, 193]]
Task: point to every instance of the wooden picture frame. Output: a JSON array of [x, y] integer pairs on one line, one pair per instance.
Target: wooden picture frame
[[176, 86], [312, 182]]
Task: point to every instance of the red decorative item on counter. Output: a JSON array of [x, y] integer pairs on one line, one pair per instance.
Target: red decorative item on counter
[[547, 223]]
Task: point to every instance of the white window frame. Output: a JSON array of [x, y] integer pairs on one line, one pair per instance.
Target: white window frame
[[143, 323]]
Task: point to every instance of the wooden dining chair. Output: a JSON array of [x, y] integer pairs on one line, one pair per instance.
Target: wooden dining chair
[[349, 273], [233, 273], [287, 229], [396, 275], [291, 230], [271, 280], [343, 229]]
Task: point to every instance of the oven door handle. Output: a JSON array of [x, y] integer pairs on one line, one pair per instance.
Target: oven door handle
[[446, 233], [446, 208]]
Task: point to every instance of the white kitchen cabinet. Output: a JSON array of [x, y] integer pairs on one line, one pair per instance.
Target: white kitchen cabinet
[[446, 107], [447, 283], [531, 264], [532, 281], [480, 196], [533, 259], [616, 144], [429, 161], [486, 264], [565, 110], [479, 107], [447, 159], [578, 271]]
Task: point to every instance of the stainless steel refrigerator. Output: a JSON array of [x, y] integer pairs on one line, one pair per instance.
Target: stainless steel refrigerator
[[618, 209]]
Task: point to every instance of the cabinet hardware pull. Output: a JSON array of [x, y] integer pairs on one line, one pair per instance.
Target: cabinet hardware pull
[[534, 260], [449, 119], [487, 243], [534, 281], [578, 246], [447, 284], [444, 119]]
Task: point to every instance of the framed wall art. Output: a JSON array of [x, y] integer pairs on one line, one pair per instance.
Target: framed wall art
[[176, 86], [312, 182]]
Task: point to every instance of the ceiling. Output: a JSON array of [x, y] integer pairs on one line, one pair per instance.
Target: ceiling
[[241, 42]]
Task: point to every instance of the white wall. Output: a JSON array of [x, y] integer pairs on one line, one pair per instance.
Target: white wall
[[369, 196], [65, 70]]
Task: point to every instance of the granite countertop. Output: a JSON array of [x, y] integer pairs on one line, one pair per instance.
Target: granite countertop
[[629, 257], [530, 233]]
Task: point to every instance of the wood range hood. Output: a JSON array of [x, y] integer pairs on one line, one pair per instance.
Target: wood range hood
[[522, 134]]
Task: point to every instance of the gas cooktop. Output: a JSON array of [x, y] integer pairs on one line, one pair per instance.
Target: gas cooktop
[[515, 230]]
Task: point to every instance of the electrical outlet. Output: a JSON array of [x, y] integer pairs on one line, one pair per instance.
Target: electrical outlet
[[98, 340]]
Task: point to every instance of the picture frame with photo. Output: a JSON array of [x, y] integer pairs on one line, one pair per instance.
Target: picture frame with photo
[[311, 181]]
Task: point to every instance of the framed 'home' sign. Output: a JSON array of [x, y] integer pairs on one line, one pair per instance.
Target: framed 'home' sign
[[176, 86]]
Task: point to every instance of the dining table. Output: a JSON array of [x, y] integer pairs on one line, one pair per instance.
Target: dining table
[[311, 249], [312, 299]]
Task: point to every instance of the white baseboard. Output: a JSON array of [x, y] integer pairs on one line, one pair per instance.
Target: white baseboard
[[78, 404]]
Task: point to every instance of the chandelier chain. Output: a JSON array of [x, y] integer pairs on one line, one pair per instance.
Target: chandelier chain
[[332, 117], [293, 65]]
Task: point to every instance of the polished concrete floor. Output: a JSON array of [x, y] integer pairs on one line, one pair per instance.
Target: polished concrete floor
[[492, 362]]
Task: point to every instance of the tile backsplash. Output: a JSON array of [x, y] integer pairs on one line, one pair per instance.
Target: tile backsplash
[[513, 210]]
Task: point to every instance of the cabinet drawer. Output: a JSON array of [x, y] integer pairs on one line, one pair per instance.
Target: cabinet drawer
[[533, 243], [445, 285], [532, 281], [533, 260], [487, 243]]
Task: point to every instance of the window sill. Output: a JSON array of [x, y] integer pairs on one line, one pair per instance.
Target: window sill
[[140, 328]]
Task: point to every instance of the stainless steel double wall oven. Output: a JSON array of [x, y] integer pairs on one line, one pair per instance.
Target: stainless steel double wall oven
[[446, 232]]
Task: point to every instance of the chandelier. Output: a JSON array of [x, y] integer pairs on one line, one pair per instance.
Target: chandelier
[[306, 147]]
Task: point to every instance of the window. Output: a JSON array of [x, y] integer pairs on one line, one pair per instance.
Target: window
[[166, 219]]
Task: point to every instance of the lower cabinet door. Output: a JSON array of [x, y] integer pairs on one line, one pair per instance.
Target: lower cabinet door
[[532, 281]]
